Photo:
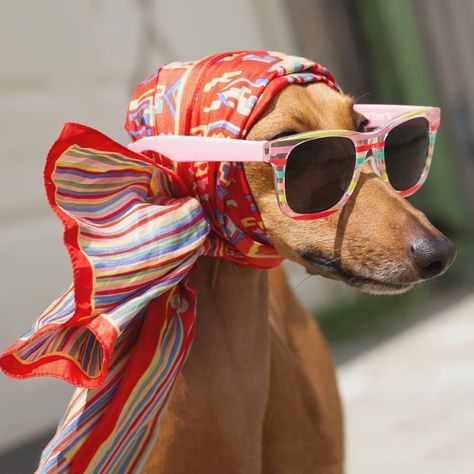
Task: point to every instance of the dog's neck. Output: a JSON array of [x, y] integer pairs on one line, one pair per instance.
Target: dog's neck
[[232, 297], [227, 375], [246, 391]]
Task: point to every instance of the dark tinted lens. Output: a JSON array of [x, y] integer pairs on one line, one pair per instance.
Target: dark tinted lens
[[318, 172], [406, 149]]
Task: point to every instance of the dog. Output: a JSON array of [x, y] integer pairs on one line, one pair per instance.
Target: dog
[[258, 392]]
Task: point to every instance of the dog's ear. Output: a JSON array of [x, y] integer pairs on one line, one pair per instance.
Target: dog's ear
[[360, 121]]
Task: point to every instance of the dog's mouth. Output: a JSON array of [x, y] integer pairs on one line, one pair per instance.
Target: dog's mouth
[[320, 264]]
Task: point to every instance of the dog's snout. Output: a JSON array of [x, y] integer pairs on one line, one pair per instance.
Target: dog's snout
[[432, 256]]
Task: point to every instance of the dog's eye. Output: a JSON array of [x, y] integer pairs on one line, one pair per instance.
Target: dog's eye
[[285, 133]]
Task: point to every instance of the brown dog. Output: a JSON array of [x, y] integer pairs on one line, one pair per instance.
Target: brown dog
[[258, 391]]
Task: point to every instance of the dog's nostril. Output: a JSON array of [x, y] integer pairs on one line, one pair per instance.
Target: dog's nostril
[[434, 268], [433, 256]]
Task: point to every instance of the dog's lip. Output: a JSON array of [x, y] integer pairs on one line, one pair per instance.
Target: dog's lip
[[320, 261], [376, 286], [332, 268]]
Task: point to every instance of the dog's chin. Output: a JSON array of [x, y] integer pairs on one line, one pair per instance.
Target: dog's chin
[[318, 264], [377, 287]]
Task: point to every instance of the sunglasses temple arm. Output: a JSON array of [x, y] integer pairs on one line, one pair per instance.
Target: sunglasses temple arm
[[379, 114], [189, 149]]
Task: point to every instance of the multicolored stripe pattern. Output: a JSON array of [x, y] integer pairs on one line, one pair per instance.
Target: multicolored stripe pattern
[[278, 151], [135, 226]]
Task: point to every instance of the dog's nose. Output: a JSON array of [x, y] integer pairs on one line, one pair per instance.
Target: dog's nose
[[433, 256]]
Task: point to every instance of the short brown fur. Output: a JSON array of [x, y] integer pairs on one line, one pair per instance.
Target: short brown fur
[[258, 392]]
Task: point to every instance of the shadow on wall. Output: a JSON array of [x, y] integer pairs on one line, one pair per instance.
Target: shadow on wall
[[24, 458]]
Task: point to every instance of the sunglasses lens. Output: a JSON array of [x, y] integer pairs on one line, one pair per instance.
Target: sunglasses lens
[[406, 150], [318, 173]]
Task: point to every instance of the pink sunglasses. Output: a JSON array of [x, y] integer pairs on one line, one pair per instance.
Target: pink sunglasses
[[316, 172]]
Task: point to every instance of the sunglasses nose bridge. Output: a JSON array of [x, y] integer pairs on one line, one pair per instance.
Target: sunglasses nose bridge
[[372, 158]]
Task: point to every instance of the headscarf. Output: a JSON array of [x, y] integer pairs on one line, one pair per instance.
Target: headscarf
[[135, 226]]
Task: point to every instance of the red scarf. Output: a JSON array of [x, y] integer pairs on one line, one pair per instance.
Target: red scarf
[[134, 228]]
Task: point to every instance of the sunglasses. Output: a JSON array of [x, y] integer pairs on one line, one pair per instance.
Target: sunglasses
[[316, 172]]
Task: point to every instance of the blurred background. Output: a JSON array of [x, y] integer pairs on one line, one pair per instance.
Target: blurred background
[[404, 363]]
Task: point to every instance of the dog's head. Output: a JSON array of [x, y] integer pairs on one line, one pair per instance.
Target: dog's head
[[378, 242]]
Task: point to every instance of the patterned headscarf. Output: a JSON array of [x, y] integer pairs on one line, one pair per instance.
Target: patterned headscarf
[[135, 226]]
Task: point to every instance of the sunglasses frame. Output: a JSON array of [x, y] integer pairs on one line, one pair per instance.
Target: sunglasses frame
[[382, 120], [278, 151]]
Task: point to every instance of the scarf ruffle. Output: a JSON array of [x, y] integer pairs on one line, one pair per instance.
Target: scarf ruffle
[[135, 226]]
